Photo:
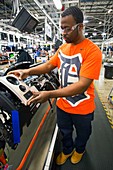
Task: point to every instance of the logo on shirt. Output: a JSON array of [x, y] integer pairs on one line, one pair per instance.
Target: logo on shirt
[[69, 73]]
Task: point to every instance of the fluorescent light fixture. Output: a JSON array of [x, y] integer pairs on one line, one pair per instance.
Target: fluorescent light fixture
[[94, 33], [36, 15], [109, 11], [46, 2], [1, 29], [11, 32], [85, 21], [86, 33], [100, 23], [103, 34], [58, 4]]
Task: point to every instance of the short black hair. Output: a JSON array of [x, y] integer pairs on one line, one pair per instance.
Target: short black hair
[[75, 12]]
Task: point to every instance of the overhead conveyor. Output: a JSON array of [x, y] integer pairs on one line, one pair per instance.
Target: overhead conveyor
[[99, 150]]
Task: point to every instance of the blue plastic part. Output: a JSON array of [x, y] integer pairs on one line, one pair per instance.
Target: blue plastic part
[[15, 126]]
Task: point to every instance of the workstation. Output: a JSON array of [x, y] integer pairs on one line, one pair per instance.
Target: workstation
[[30, 34]]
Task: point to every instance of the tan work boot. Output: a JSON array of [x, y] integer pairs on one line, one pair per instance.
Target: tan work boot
[[76, 157], [61, 159]]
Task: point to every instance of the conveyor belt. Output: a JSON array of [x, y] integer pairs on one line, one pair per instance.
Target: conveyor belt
[[32, 151], [99, 151]]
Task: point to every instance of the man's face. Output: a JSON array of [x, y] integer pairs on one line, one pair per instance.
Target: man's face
[[69, 29]]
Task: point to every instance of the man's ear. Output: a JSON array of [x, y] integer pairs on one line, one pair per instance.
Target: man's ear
[[80, 27]]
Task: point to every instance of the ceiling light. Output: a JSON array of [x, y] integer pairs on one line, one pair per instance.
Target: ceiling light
[[46, 2], [100, 23], [86, 33], [103, 34], [85, 21], [36, 15], [58, 4], [1, 29], [109, 11], [94, 33]]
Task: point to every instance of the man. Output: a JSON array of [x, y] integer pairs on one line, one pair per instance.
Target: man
[[79, 62], [37, 54], [24, 56]]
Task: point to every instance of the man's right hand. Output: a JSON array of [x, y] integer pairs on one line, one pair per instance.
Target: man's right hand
[[21, 74]]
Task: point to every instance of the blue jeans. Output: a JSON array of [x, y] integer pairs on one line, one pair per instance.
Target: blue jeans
[[82, 123]]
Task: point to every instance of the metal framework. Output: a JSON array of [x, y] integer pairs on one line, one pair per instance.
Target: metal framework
[[95, 11]]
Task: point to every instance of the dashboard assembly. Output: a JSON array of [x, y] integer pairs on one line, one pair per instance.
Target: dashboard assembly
[[14, 113]]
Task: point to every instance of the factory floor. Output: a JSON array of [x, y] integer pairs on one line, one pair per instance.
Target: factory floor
[[104, 88]]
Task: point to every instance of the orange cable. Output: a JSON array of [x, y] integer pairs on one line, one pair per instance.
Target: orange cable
[[33, 139]]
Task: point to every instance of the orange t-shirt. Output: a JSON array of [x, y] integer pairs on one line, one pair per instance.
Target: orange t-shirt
[[73, 61]]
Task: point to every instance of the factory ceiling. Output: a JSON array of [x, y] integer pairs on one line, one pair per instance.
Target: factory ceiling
[[98, 15]]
